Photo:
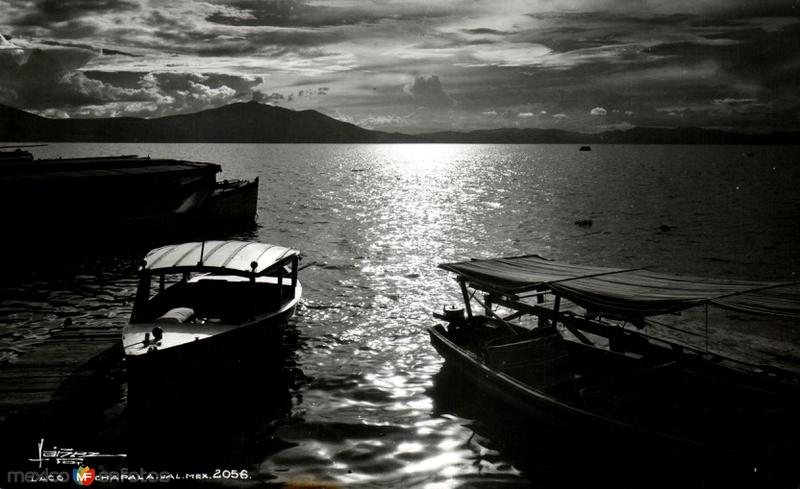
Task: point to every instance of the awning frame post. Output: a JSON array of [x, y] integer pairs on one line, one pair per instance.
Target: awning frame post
[[556, 309], [465, 294]]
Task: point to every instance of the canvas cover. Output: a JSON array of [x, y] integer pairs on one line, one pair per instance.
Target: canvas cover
[[629, 292], [232, 256]]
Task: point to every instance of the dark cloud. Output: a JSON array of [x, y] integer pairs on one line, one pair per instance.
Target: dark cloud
[[51, 81], [644, 65], [569, 31], [36, 79], [301, 13], [184, 35], [272, 98], [101, 51], [764, 61], [478, 42], [310, 92], [484, 30], [46, 12], [122, 79]]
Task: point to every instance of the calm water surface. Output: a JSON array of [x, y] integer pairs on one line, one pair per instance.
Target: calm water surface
[[367, 405]]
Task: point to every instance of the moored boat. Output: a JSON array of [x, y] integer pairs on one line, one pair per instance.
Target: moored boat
[[118, 197], [200, 305], [572, 345], [231, 205]]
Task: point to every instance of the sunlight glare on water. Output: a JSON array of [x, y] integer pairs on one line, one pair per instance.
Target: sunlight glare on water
[[406, 208]]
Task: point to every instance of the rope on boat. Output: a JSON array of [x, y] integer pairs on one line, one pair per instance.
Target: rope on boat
[[674, 328]]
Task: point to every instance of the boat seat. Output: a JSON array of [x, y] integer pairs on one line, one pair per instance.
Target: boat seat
[[540, 360], [530, 337], [233, 302], [177, 315]]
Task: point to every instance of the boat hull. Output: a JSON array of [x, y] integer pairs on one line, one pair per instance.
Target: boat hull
[[231, 206], [527, 401], [253, 347], [577, 419]]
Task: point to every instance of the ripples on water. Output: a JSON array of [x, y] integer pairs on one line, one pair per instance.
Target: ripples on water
[[366, 409]]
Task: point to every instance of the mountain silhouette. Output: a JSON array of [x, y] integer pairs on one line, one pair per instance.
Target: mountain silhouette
[[253, 122], [249, 122]]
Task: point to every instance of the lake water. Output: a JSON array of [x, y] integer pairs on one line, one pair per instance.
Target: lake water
[[368, 406]]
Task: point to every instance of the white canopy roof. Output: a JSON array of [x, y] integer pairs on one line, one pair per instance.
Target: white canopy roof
[[232, 256]]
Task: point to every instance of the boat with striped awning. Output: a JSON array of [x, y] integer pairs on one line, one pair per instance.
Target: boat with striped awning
[[613, 352]]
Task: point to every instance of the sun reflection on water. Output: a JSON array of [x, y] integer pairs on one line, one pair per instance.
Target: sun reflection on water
[[403, 209]]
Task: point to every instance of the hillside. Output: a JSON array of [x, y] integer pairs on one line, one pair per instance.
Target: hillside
[[236, 123], [252, 122]]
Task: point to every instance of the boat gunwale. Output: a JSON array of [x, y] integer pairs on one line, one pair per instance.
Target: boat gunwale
[[530, 394], [251, 323]]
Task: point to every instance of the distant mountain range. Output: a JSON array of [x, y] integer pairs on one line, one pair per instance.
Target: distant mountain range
[[252, 122]]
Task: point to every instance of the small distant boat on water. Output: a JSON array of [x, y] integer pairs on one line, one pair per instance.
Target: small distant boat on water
[[129, 197], [585, 148], [202, 304], [570, 344]]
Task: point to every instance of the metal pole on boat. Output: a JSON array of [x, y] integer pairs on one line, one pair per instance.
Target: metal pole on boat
[[294, 275], [253, 267], [556, 307], [465, 293], [142, 294], [280, 285]]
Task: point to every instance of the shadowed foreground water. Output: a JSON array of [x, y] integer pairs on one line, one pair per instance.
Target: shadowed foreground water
[[362, 401]]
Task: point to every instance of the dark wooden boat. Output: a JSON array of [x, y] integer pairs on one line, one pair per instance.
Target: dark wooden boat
[[231, 205], [128, 197], [572, 345], [585, 148], [201, 305]]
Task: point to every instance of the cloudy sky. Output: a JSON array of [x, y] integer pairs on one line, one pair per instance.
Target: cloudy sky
[[411, 66]]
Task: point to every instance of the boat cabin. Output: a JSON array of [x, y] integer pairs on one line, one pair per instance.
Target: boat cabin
[[227, 282]]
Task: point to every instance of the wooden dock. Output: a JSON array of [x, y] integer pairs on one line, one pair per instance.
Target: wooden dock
[[77, 368]]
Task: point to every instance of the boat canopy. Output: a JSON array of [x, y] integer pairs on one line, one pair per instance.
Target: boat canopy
[[234, 257], [628, 292]]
